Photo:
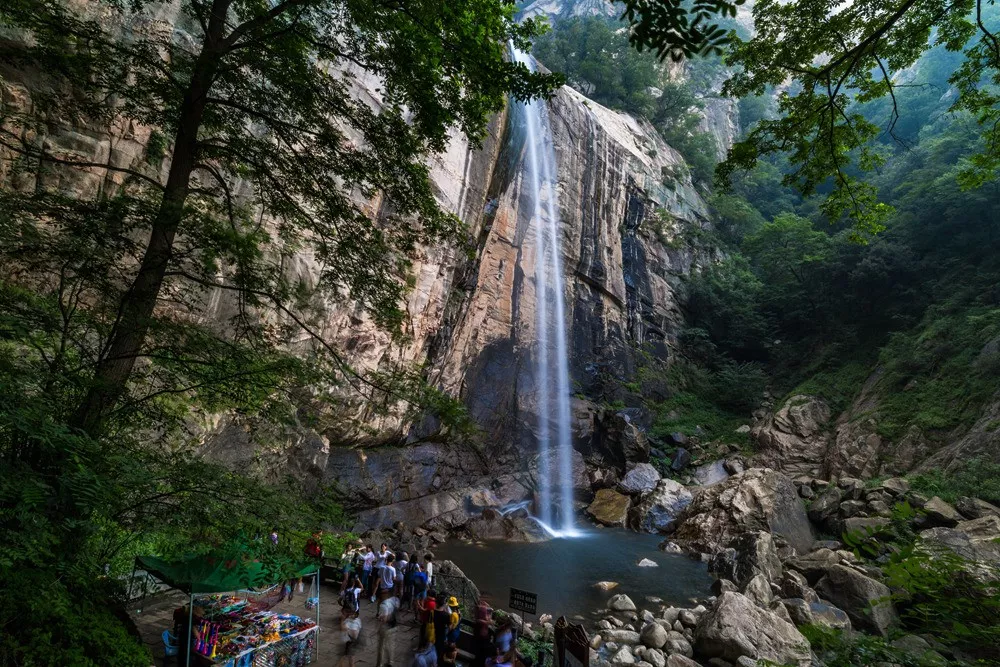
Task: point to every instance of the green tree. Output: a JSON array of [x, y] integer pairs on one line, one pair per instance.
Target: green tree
[[790, 258], [260, 96], [827, 57], [595, 56]]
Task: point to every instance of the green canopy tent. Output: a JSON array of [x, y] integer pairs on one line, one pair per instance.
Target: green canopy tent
[[221, 573]]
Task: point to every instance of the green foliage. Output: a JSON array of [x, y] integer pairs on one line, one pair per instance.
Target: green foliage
[[596, 58], [931, 379], [832, 61], [840, 649], [977, 478], [947, 595]]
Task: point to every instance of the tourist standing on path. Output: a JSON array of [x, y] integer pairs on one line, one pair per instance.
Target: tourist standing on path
[[367, 565], [450, 656], [425, 655], [441, 617], [483, 621], [504, 636], [350, 631], [454, 621], [380, 559], [429, 569], [352, 595], [386, 624], [401, 566], [427, 607], [387, 579], [418, 583]]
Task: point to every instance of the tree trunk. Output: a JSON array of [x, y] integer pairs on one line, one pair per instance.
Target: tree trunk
[[135, 311]]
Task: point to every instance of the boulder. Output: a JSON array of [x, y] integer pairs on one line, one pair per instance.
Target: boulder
[[977, 540], [864, 525], [655, 657], [759, 499], [621, 602], [677, 660], [853, 488], [609, 508], [974, 508], [681, 459], [827, 615], [759, 591], [492, 525], [603, 478], [620, 440], [606, 585], [642, 477], [645, 562], [623, 656], [813, 565], [795, 585], [720, 586], [940, 513], [735, 627], [688, 617], [865, 600], [794, 439], [653, 635], [895, 486], [710, 473], [798, 611], [658, 510], [826, 505], [745, 557], [620, 636], [679, 645]]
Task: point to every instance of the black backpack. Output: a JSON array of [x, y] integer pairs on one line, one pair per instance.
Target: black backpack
[[351, 599]]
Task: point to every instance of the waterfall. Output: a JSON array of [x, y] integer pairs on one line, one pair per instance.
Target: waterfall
[[552, 366]]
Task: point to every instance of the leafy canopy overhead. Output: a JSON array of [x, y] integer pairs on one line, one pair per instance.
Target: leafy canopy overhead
[[825, 57]]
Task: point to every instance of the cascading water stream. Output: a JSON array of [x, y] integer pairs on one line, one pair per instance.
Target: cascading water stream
[[552, 367]]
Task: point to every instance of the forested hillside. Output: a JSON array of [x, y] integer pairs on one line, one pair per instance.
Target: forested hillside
[[803, 305]]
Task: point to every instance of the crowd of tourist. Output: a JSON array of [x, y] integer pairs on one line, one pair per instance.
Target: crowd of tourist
[[399, 585]]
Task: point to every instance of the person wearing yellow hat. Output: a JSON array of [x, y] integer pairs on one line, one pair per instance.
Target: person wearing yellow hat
[[454, 620]]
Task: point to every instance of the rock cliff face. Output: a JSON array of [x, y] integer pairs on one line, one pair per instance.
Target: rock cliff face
[[478, 318], [471, 315]]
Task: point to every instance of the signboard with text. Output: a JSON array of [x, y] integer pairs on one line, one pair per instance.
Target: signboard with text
[[523, 601]]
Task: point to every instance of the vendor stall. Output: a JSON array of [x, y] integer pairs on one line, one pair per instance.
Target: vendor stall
[[231, 610]]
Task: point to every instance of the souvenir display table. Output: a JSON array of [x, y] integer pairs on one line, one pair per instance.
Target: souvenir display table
[[236, 632], [230, 609]]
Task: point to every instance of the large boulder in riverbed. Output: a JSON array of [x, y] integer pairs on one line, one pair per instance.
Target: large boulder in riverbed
[[609, 508], [658, 510], [736, 627], [746, 556], [865, 600], [492, 525], [641, 478], [759, 499]]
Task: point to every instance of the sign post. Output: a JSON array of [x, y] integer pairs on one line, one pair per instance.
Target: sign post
[[525, 602], [572, 644]]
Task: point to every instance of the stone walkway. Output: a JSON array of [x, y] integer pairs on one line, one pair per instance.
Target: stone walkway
[[157, 615]]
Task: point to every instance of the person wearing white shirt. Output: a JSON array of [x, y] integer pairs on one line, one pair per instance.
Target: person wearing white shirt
[[386, 624]]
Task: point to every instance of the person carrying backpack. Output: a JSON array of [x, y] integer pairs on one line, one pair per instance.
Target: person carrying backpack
[[352, 595]]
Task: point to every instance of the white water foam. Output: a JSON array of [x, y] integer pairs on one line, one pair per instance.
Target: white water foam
[[552, 364]]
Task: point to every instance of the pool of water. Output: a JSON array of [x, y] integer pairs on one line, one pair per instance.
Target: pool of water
[[562, 572]]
